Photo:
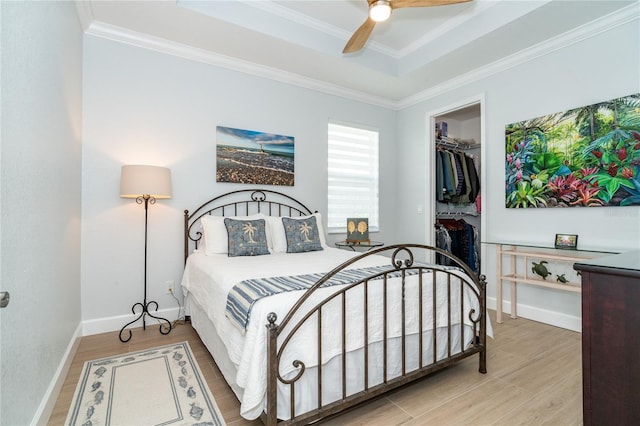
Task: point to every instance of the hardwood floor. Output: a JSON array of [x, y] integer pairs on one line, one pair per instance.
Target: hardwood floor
[[534, 377]]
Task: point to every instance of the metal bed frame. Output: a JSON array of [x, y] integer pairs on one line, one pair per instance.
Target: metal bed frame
[[402, 263]]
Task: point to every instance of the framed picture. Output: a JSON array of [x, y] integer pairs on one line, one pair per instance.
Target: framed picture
[[566, 241], [251, 157], [581, 157], [358, 230]]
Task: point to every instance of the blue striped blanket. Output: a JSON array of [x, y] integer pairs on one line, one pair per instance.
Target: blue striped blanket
[[245, 294]]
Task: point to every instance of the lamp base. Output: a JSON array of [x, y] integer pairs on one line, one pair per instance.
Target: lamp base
[[164, 329]]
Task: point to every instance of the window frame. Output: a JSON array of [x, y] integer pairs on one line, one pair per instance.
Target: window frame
[[368, 182]]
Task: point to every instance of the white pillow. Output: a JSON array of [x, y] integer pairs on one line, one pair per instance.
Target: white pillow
[[216, 239], [276, 237]]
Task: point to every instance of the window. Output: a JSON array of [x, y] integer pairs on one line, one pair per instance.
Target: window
[[353, 176]]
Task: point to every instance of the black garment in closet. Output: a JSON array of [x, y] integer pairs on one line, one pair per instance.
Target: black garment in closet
[[460, 239]]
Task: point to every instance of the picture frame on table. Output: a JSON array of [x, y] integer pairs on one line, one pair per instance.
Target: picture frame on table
[[566, 241], [357, 230]]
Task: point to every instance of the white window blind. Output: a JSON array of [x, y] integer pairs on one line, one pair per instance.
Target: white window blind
[[352, 176]]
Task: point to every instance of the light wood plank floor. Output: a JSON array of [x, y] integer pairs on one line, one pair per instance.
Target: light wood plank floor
[[534, 377]]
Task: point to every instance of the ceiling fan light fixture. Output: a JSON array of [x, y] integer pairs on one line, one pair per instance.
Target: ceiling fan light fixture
[[380, 10]]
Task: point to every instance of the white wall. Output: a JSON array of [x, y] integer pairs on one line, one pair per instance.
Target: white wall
[[40, 193], [145, 107], [598, 68]]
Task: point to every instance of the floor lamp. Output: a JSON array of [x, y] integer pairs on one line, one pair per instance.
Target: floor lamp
[[145, 184]]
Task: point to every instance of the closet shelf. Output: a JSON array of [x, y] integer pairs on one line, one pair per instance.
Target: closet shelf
[[456, 143], [454, 214], [540, 283]]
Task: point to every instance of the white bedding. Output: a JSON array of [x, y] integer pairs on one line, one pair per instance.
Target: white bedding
[[208, 279]]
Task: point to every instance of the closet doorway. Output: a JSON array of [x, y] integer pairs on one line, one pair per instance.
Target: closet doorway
[[455, 180]]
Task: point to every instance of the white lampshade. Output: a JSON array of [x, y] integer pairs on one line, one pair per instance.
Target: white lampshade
[[139, 180], [380, 10]]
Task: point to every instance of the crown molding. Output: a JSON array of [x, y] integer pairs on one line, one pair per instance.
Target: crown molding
[[586, 31], [85, 13], [122, 35]]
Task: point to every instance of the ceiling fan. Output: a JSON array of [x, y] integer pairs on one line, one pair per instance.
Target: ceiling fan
[[380, 10]]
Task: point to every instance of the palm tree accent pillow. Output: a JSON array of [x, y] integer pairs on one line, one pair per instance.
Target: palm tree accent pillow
[[246, 237], [302, 234]]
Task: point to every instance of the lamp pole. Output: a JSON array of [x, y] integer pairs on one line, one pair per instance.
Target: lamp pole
[[144, 305]]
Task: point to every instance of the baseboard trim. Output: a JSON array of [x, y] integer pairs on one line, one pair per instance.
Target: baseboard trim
[[41, 417], [105, 325], [557, 319], [85, 328]]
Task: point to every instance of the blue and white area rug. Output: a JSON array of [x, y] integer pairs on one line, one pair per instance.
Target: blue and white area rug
[[158, 386]]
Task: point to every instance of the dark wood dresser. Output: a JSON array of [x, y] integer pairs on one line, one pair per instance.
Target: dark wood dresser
[[611, 339]]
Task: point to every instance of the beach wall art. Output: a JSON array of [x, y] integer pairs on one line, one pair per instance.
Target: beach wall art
[[583, 157], [251, 157]]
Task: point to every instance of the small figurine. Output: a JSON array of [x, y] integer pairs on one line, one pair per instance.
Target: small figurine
[[540, 269], [562, 279]]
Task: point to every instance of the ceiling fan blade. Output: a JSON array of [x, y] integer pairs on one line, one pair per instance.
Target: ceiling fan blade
[[360, 37], [397, 4]]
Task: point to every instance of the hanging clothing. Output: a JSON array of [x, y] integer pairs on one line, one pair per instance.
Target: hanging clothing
[[457, 179], [460, 239], [474, 179], [447, 184], [439, 178], [443, 241]]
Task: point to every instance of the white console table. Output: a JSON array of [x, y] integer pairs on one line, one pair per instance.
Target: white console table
[[519, 258]]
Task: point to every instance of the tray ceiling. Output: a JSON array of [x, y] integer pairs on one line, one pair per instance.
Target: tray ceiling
[[414, 52]]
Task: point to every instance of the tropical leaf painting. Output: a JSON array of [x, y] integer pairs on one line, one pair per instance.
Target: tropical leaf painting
[[583, 157]]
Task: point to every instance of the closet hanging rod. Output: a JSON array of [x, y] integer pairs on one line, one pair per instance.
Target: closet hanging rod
[[449, 214], [455, 143]]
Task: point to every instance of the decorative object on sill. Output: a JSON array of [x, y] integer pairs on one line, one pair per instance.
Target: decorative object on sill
[[562, 279], [251, 157], [575, 158], [146, 184], [357, 230], [566, 241], [540, 269]]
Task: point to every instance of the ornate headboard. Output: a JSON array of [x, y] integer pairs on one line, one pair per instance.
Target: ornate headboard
[[243, 202]]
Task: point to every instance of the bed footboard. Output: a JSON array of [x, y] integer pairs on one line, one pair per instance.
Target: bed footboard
[[418, 318]]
